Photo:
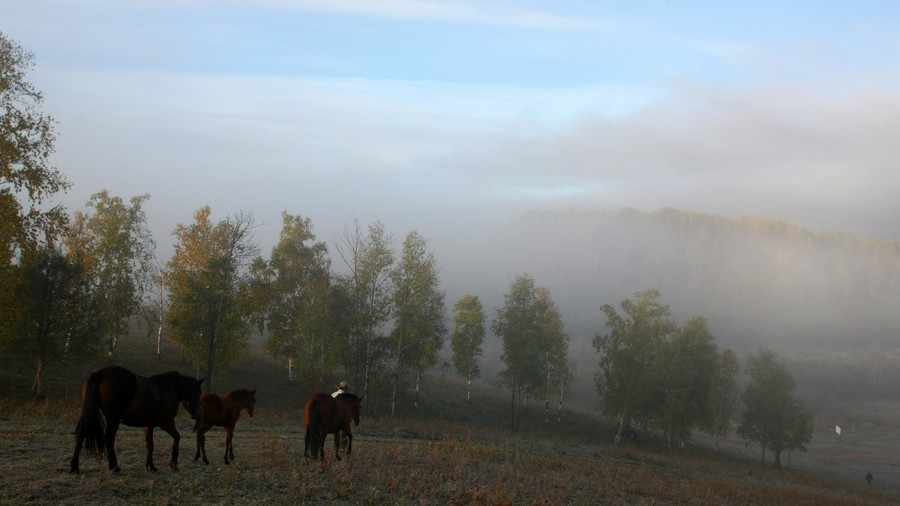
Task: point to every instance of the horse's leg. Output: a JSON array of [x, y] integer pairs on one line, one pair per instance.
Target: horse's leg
[[349, 440], [231, 443], [169, 427], [337, 444], [201, 444], [229, 433], [109, 439], [148, 441]]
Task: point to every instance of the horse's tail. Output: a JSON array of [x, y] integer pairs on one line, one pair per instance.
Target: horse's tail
[[90, 426], [314, 429]]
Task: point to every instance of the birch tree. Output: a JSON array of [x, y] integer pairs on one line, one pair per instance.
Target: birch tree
[[556, 369], [297, 299], [121, 250], [368, 258], [467, 337], [210, 304], [535, 347], [723, 395], [419, 324], [627, 357], [687, 364]]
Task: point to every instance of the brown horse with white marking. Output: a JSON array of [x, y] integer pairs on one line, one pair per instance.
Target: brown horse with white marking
[[126, 398], [222, 411], [325, 415]]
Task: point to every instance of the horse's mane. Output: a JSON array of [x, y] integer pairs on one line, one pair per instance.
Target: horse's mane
[[241, 393], [348, 396]]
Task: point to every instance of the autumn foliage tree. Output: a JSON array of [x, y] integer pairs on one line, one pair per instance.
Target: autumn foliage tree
[[57, 314], [27, 178], [119, 256], [210, 304]]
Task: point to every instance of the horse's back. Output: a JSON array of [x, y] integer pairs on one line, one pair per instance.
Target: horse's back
[[212, 406], [116, 387], [332, 414]]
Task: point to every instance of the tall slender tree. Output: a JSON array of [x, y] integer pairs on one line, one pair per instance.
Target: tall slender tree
[[685, 376], [467, 337], [297, 300], [210, 305], [627, 357], [121, 249], [557, 371], [723, 395], [534, 344], [420, 316], [368, 258]]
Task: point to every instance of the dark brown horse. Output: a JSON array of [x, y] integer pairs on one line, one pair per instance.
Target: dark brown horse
[[222, 411], [325, 415], [136, 401]]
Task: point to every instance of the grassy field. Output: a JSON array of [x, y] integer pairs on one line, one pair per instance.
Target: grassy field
[[449, 452]]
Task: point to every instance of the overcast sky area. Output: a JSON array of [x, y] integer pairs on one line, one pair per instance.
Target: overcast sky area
[[446, 116]]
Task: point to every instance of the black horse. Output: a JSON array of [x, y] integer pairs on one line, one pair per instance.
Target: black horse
[[136, 401]]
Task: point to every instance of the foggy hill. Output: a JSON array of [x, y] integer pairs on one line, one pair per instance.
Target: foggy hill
[[757, 281]]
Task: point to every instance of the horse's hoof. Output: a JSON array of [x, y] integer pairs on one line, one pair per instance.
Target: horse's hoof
[[117, 470], [206, 461]]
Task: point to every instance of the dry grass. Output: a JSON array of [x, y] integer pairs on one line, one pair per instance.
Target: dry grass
[[395, 462], [449, 452]]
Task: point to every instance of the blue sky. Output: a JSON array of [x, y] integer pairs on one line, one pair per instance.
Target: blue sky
[[445, 116]]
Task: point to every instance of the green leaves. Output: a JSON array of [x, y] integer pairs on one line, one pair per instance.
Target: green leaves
[[773, 417], [27, 178], [210, 305], [467, 335], [294, 293]]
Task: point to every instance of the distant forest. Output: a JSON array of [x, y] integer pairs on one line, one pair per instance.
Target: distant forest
[[815, 297]]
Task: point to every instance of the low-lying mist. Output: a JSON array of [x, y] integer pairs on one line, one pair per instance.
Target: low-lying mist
[[819, 297]]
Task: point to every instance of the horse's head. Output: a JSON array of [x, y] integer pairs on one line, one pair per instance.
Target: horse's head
[[355, 409], [191, 398], [251, 403]]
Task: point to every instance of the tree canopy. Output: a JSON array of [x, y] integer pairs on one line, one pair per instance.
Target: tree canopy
[[210, 305], [27, 178], [772, 416]]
